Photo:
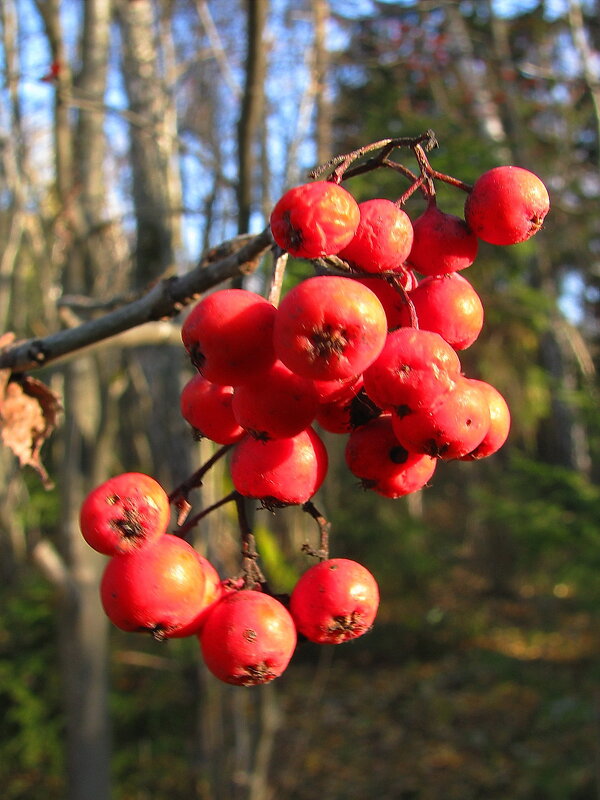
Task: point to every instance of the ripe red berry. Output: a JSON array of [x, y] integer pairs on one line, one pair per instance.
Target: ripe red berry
[[314, 219], [383, 238], [124, 513], [442, 243], [229, 335], [348, 411], [448, 305], [453, 425], [413, 369], [506, 205], [277, 404], [334, 601], [391, 297], [207, 407], [374, 454], [160, 588], [334, 416], [329, 328], [248, 638], [281, 471], [499, 427], [332, 390]]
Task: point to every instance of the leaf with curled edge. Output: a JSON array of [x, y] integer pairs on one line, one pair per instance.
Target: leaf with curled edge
[[28, 415]]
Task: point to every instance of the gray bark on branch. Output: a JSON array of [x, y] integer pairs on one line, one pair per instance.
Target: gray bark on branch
[[165, 299]]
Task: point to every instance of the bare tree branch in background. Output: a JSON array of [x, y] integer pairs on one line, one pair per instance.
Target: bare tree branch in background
[[217, 47]]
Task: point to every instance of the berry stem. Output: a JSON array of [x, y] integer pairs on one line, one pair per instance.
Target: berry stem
[[179, 496], [332, 265], [432, 174], [395, 281], [426, 171], [324, 529], [340, 164], [339, 167], [252, 574], [440, 176], [418, 183], [184, 529]]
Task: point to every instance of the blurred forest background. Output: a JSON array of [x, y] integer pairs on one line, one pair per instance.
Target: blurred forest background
[[135, 135]]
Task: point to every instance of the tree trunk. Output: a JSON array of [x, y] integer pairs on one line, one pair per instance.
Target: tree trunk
[[587, 57], [83, 629], [251, 115], [83, 633], [484, 109], [323, 132], [157, 199], [156, 193], [562, 437]]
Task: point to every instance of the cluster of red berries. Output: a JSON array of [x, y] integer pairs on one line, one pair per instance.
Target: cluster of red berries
[[367, 350], [371, 353], [157, 582]]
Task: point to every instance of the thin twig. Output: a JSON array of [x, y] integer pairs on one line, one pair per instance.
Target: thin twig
[[253, 576], [339, 164], [195, 480], [191, 523], [322, 553], [217, 47], [179, 496], [396, 282]]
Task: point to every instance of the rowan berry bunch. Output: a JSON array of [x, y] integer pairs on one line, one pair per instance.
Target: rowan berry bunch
[[156, 582], [366, 348]]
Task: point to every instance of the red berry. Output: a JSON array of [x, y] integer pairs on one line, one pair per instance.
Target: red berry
[[334, 601], [124, 513], [281, 471], [453, 425], [277, 404], [229, 335], [450, 306], [314, 219], [207, 407], [349, 411], [332, 390], [383, 238], [413, 369], [499, 428], [334, 415], [160, 588], [506, 205], [392, 298], [442, 243], [329, 328], [248, 638], [374, 454]]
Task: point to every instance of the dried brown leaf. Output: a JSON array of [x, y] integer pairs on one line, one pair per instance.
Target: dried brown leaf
[[28, 415]]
